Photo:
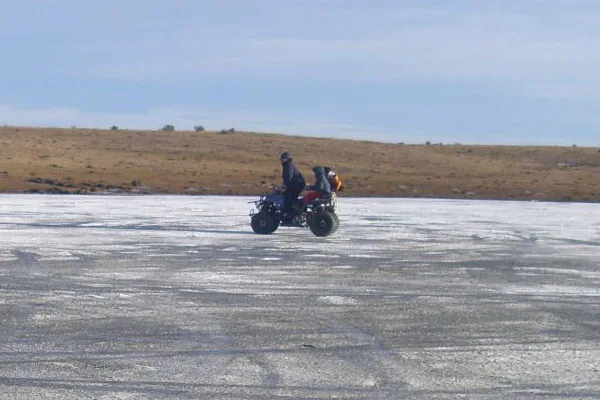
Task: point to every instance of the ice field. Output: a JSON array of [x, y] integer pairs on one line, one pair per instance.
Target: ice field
[[152, 297]]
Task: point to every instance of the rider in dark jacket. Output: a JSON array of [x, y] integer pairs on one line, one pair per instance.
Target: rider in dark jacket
[[321, 183], [293, 180]]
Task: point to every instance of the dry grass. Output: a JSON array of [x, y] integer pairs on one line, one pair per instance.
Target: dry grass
[[246, 163]]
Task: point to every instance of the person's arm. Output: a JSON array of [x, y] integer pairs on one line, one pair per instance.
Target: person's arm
[[287, 174]]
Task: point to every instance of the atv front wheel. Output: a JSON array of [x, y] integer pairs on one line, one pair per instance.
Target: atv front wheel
[[323, 223], [264, 223]]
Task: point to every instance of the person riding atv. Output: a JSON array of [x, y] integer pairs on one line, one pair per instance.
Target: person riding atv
[[321, 188], [293, 183], [315, 210]]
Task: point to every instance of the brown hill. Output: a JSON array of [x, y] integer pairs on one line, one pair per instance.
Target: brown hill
[[85, 160]]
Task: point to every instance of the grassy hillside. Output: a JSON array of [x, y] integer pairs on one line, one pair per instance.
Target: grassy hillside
[[82, 160]]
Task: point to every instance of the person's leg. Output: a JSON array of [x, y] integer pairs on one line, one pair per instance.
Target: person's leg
[[294, 199], [288, 200]]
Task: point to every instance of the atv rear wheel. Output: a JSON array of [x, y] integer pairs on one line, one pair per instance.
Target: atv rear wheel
[[323, 223], [264, 223], [337, 222]]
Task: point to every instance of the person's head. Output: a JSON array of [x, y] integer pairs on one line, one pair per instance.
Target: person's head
[[285, 157], [319, 171]]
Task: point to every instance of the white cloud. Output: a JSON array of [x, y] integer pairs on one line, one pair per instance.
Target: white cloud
[[346, 41], [397, 46], [526, 58], [563, 91], [185, 118]]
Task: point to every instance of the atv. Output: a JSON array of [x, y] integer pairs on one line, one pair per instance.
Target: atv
[[313, 210]]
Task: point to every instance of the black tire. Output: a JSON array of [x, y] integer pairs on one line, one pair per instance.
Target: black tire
[[264, 223], [323, 223], [337, 219], [337, 222]]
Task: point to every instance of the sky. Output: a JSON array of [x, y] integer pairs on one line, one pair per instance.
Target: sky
[[466, 71]]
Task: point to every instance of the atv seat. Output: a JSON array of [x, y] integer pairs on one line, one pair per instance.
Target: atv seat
[[313, 195]]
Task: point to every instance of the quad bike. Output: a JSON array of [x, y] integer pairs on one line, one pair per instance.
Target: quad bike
[[314, 211]]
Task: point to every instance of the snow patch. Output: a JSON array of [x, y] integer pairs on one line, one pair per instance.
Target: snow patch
[[338, 300]]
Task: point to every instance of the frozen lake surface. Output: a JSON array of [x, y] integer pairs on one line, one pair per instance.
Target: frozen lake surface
[[156, 297]]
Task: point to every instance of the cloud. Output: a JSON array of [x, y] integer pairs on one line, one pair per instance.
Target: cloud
[[400, 46], [351, 41], [352, 67], [185, 118], [563, 91]]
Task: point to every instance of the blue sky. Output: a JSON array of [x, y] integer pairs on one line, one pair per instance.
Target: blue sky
[[472, 71]]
